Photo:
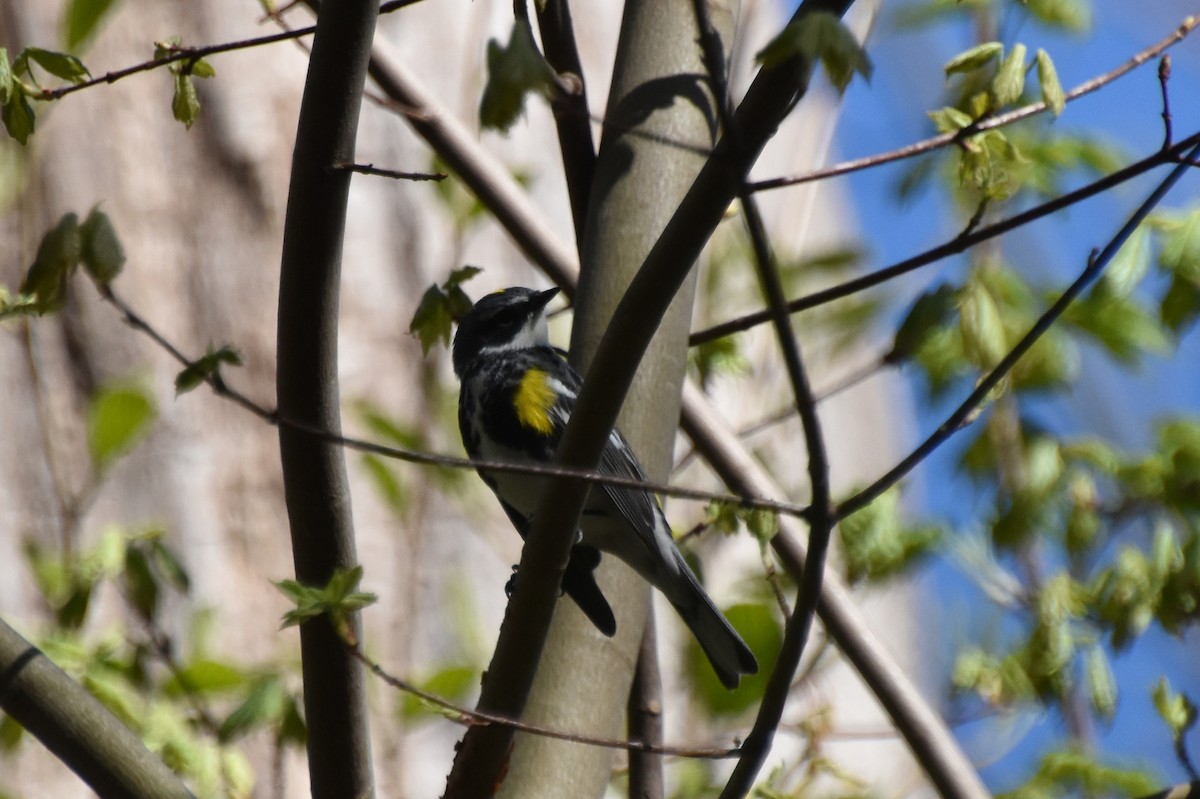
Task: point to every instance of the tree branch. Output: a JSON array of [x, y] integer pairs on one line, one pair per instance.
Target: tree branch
[[971, 405], [570, 106], [931, 742], [314, 471], [1001, 120], [76, 728]]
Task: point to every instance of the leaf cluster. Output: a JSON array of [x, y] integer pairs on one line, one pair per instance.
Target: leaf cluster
[[171, 702]]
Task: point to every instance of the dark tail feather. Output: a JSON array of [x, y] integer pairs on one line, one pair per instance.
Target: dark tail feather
[[725, 649], [579, 583]]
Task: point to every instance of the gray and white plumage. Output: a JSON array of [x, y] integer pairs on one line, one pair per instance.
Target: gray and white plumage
[[519, 389]]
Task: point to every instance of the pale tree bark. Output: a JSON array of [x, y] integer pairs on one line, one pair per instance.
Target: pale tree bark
[[658, 96]]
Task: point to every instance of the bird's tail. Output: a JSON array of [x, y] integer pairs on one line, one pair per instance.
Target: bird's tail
[[725, 649]]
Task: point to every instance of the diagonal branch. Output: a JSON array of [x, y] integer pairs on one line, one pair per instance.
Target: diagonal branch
[[991, 123], [971, 405], [964, 241], [73, 725]]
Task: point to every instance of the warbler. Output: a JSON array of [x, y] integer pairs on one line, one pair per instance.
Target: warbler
[[516, 397]]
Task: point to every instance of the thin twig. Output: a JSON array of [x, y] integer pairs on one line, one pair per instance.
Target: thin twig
[[194, 54], [371, 169], [1164, 77], [272, 417], [1001, 120], [972, 404], [959, 244], [821, 521], [468, 717]]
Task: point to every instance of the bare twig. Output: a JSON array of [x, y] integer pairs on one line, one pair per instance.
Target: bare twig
[[272, 417], [371, 169], [193, 54], [796, 631], [956, 245], [936, 142], [1164, 77], [971, 405], [470, 718], [570, 107]]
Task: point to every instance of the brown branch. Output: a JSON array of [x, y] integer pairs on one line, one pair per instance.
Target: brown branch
[[969, 407], [1001, 120]]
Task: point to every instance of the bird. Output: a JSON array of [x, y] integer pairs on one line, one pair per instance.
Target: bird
[[516, 396]]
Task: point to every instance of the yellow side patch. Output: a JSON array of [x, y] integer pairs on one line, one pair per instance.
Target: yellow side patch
[[533, 401]]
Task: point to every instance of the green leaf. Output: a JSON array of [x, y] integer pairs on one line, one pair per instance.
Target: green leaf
[[265, 705], [17, 304], [762, 524], [432, 320], [1009, 83], [877, 546], [336, 599], [81, 20], [1180, 305], [185, 104], [8, 87], [1101, 684], [1052, 91], [167, 564], [291, 729], [722, 356], [1128, 266], [514, 70], [757, 625], [949, 119], [973, 59], [723, 516], [820, 37], [1120, 325], [18, 117], [101, 251], [387, 483], [932, 310], [206, 368], [204, 677], [1176, 709], [1070, 15], [200, 68], [1180, 252], [11, 733], [141, 584], [56, 259], [982, 326], [453, 683], [118, 417], [61, 65]]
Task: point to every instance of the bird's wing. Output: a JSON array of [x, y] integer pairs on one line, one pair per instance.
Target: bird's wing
[[639, 509]]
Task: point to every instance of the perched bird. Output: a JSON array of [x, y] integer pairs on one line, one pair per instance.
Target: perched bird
[[516, 396]]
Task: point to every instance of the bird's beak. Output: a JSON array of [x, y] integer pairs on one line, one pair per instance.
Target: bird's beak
[[542, 299]]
